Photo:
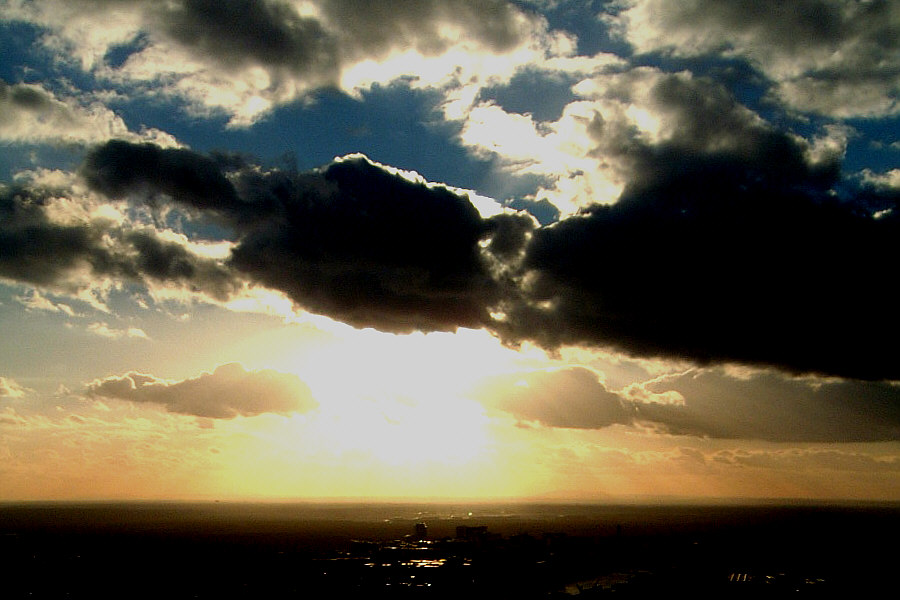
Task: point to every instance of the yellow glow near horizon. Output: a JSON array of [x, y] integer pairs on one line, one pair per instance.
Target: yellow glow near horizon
[[401, 399], [394, 417], [451, 432], [383, 449]]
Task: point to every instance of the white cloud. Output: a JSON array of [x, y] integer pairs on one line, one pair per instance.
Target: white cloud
[[834, 57], [37, 301], [244, 58], [104, 330], [29, 113], [559, 151], [889, 180], [618, 121], [10, 389], [227, 392]]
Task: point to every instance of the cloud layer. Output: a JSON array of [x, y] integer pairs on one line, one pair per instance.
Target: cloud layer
[[571, 398], [709, 403], [44, 242], [246, 56], [835, 58], [729, 254], [721, 257], [706, 234], [353, 240], [227, 392], [31, 114], [10, 389]]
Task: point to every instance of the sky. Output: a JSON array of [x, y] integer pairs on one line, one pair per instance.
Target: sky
[[446, 249]]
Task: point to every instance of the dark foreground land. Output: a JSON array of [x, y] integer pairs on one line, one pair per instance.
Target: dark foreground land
[[213, 550]]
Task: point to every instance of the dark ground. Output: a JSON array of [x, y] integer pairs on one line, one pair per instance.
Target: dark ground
[[223, 550]]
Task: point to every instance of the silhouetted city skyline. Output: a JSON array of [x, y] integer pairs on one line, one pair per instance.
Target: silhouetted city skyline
[[215, 550]]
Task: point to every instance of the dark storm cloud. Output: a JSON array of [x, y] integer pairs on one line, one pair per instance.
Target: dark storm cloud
[[272, 33], [37, 250], [34, 249], [717, 265], [370, 248], [772, 407], [227, 392], [723, 273], [167, 261], [726, 245], [118, 168], [352, 241], [247, 32], [375, 26], [509, 234]]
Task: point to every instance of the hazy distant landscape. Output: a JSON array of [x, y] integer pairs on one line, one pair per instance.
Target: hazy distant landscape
[[216, 550]]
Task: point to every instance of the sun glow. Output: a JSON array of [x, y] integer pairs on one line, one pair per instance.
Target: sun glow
[[400, 432], [383, 448], [406, 402], [395, 414]]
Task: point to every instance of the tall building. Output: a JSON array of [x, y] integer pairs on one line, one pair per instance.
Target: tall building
[[421, 531]]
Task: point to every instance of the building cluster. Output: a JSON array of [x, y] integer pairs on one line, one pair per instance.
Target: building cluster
[[477, 560]]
